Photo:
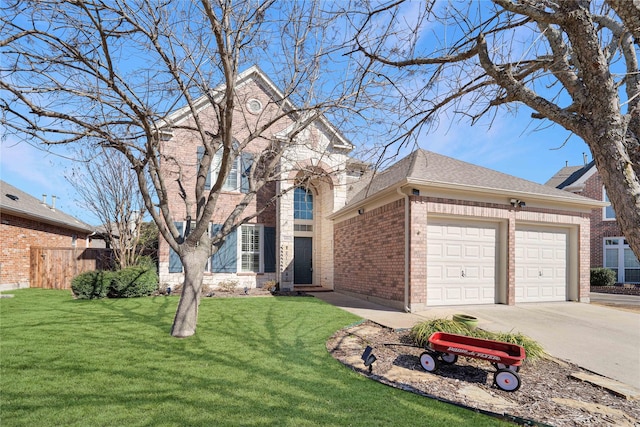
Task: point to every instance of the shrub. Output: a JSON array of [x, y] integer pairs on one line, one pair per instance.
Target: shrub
[[146, 262], [421, 332], [133, 282], [533, 349], [91, 284], [270, 285], [228, 285], [602, 277]]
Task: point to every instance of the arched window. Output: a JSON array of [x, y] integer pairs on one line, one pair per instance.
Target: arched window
[[302, 204]]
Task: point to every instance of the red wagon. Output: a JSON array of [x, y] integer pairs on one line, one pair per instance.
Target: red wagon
[[505, 357]]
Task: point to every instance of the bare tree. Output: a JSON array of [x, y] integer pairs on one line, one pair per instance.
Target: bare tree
[[573, 63], [81, 72], [108, 188]]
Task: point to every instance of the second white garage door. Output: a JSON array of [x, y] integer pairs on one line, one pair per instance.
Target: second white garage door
[[461, 263], [541, 265]]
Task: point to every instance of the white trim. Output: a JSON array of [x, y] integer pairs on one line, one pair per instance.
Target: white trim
[[605, 198], [260, 249], [621, 246], [578, 185]]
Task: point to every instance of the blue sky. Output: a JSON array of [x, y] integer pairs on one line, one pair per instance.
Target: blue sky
[[510, 146], [513, 144]]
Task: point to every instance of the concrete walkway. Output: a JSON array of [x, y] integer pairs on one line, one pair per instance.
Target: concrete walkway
[[601, 339]]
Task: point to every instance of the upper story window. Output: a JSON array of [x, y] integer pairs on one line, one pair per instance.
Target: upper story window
[[302, 204], [231, 183], [238, 178], [607, 212]]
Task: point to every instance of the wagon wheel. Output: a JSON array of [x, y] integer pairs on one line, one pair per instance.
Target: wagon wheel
[[449, 358], [507, 380], [503, 366], [428, 361]]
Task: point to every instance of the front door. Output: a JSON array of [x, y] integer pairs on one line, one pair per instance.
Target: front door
[[302, 266]]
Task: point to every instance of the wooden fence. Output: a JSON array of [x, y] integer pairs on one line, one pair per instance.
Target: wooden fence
[[53, 268]]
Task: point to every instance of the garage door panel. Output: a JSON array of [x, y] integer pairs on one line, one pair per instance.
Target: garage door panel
[[471, 293], [468, 262], [453, 273], [454, 251], [453, 294], [472, 251]]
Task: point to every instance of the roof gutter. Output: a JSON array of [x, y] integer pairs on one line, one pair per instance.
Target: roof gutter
[[575, 200]]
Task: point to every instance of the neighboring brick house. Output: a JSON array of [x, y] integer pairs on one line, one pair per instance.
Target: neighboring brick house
[[430, 230], [608, 245], [26, 221]]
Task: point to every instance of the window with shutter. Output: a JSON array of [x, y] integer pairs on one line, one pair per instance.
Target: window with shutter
[[238, 178], [251, 248]]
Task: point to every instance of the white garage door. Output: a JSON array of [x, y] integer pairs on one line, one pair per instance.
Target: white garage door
[[541, 265], [461, 263]]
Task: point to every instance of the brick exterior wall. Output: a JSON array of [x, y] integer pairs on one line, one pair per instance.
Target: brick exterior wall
[[308, 152], [417, 251], [18, 235], [600, 228], [369, 253], [369, 249]]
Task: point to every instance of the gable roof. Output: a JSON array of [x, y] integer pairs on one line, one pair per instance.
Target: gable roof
[[18, 203], [425, 168], [256, 74], [572, 178]]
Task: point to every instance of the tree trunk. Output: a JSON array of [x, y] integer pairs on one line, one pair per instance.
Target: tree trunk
[[186, 319], [620, 180]]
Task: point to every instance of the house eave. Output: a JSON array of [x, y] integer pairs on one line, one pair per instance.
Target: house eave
[[35, 217], [581, 203], [577, 201]]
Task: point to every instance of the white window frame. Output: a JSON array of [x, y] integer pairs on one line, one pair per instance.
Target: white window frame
[[607, 209], [240, 266], [621, 246], [216, 162]]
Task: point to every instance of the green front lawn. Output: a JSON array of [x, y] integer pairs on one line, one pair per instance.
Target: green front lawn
[[253, 361]]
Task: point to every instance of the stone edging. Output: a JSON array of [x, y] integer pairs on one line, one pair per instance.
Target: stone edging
[[618, 290]]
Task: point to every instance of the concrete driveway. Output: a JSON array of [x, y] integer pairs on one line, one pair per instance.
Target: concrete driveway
[[601, 339]]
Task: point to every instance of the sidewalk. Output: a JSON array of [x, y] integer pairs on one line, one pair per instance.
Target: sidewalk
[[601, 339]]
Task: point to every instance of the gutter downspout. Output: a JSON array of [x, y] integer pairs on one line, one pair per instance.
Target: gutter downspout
[[407, 248]]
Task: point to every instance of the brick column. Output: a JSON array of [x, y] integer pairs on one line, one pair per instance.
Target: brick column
[[417, 253], [511, 258]]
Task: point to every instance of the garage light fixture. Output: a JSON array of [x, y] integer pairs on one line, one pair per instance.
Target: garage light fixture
[[518, 203]]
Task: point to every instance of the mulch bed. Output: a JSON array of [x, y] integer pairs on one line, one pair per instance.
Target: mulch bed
[[548, 395]]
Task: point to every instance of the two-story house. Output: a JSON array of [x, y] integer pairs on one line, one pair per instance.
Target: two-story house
[[429, 230], [608, 246]]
